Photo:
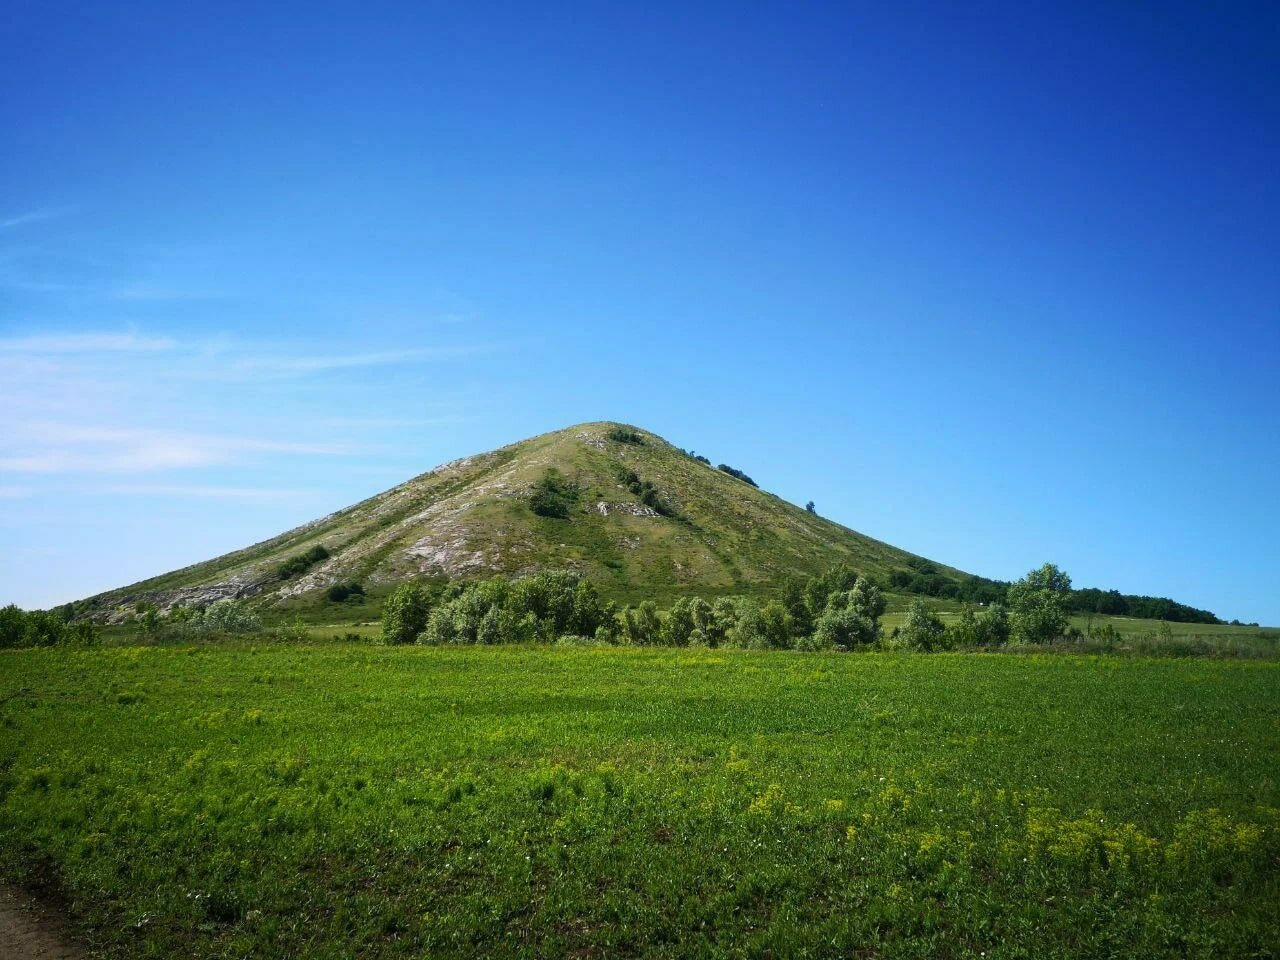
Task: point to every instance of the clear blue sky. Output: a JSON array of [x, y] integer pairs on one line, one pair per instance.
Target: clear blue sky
[[998, 283]]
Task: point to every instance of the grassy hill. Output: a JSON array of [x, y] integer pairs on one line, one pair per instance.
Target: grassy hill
[[639, 517]]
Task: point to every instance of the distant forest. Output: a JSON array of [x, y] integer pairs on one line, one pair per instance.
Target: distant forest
[[924, 578]]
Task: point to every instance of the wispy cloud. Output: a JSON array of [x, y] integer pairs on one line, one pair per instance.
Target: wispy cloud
[[150, 293], [206, 492], [32, 216], [58, 448], [134, 404], [284, 365], [388, 423], [86, 343]]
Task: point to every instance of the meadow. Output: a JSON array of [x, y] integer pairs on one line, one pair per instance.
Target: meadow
[[345, 800], [1135, 636]]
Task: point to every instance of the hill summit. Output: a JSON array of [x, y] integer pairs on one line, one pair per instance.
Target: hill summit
[[617, 504]]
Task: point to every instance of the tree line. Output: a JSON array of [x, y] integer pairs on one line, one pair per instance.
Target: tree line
[[838, 610], [43, 628]]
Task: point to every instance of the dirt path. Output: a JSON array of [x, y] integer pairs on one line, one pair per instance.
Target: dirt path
[[29, 931]]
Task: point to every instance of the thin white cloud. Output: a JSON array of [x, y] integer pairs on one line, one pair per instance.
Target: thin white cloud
[[286, 365], [389, 423], [86, 343], [32, 216], [149, 293], [205, 492], [55, 448], [11, 492]]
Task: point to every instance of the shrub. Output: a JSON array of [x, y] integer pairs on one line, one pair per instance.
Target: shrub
[[574, 640], [539, 607], [624, 435], [226, 616], [1038, 603], [302, 562], [851, 617], [341, 592], [295, 632], [993, 626], [842, 627], [737, 474], [762, 628], [679, 623], [404, 615], [641, 625], [964, 632], [554, 495], [799, 614], [922, 630], [13, 626]]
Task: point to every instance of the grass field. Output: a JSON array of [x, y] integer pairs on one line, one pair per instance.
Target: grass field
[[348, 800], [1136, 636]]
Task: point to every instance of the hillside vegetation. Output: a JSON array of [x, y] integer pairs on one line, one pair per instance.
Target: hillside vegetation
[[637, 516]]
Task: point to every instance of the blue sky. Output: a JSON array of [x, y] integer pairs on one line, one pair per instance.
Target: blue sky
[[996, 283]]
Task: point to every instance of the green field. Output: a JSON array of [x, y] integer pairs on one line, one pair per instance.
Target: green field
[[348, 800], [1136, 636]]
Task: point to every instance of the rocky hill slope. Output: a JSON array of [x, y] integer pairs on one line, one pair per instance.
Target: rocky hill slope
[[620, 505]]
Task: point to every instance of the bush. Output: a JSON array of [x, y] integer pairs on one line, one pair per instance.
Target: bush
[[1038, 603], [964, 632], [641, 625], [404, 615], [762, 628], [539, 607], [624, 435], [843, 628], [922, 630], [302, 562], [295, 632], [993, 626], [341, 592], [226, 616], [573, 640], [851, 617], [738, 474], [679, 623], [554, 495], [13, 626]]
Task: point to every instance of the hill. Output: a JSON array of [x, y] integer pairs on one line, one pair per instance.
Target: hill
[[622, 506]]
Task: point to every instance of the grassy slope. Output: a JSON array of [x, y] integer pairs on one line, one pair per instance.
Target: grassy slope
[[340, 801], [473, 516]]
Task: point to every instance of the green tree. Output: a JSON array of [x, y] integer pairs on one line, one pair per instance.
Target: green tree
[[13, 626], [554, 495], [82, 633], [641, 625], [793, 600], [679, 624], [704, 623], [810, 507], [587, 611], [1038, 604], [148, 617], [922, 630], [776, 625], [404, 615], [866, 600], [993, 626], [964, 632], [852, 616]]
